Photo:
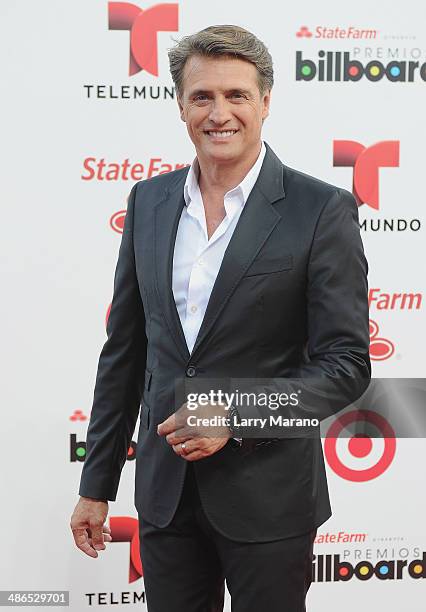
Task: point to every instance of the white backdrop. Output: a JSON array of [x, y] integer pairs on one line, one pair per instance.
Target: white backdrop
[[60, 250]]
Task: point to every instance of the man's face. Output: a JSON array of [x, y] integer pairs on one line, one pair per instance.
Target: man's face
[[222, 107]]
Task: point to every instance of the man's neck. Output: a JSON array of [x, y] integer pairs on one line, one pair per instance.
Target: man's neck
[[221, 178]]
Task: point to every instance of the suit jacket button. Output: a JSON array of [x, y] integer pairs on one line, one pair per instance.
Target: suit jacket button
[[191, 371]]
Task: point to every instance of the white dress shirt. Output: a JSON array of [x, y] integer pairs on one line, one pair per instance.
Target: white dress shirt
[[197, 259]]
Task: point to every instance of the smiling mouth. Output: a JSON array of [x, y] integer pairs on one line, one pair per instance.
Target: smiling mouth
[[220, 133]]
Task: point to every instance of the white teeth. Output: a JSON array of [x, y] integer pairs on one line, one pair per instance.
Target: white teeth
[[222, 134]]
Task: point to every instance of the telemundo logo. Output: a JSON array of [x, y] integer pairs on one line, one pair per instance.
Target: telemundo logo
[[334, 66]]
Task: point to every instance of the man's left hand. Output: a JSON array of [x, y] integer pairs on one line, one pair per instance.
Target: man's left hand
[[194, 442]]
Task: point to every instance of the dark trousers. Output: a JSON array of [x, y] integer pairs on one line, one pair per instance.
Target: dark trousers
[[186, 564]]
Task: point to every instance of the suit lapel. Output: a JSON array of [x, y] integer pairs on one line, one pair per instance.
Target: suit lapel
[[167, 215], [254, 226]]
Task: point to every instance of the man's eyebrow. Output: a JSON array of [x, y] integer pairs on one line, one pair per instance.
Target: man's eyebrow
[[198, 92]]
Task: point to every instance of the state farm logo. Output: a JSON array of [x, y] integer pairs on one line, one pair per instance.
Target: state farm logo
[[366, 162], [78, 415], [336, 32], [102, 169], [143, 25], [360, 457], [403, 300], [380, 348], [304, 32]]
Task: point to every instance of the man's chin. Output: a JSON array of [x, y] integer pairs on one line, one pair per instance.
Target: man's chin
[[222, 154]]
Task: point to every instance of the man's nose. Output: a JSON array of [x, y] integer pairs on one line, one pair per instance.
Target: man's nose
[[219, 112]]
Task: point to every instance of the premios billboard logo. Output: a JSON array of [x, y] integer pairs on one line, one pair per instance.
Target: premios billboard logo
[[329, 568], [331, 66], [77, 448], [337, 66], [369, 60]]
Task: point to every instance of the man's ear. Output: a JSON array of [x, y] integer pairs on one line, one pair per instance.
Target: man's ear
[[181, 111], [266, 101]]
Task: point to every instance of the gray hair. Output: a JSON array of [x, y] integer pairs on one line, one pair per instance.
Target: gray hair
[[225, 40]]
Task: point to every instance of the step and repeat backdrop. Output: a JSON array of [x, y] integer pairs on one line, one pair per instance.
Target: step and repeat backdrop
[[88, 109]]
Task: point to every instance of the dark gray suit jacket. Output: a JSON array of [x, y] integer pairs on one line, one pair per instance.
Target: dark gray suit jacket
[[290, 299]]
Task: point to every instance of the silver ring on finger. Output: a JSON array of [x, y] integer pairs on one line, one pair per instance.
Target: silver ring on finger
[[183, 447]]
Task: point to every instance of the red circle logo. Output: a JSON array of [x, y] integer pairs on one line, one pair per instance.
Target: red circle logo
[[117, 221], [360, 449]]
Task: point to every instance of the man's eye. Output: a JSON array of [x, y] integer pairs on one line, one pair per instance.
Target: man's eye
[[200, 98], [238, 95]]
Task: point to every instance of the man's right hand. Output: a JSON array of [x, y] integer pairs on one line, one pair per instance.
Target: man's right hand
[[88, 525]]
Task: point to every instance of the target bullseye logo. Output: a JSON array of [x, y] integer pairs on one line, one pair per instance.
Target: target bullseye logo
[[117, 221], [360, 458]]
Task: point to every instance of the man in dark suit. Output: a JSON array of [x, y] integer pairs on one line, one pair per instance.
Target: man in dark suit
[[237, 267]]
